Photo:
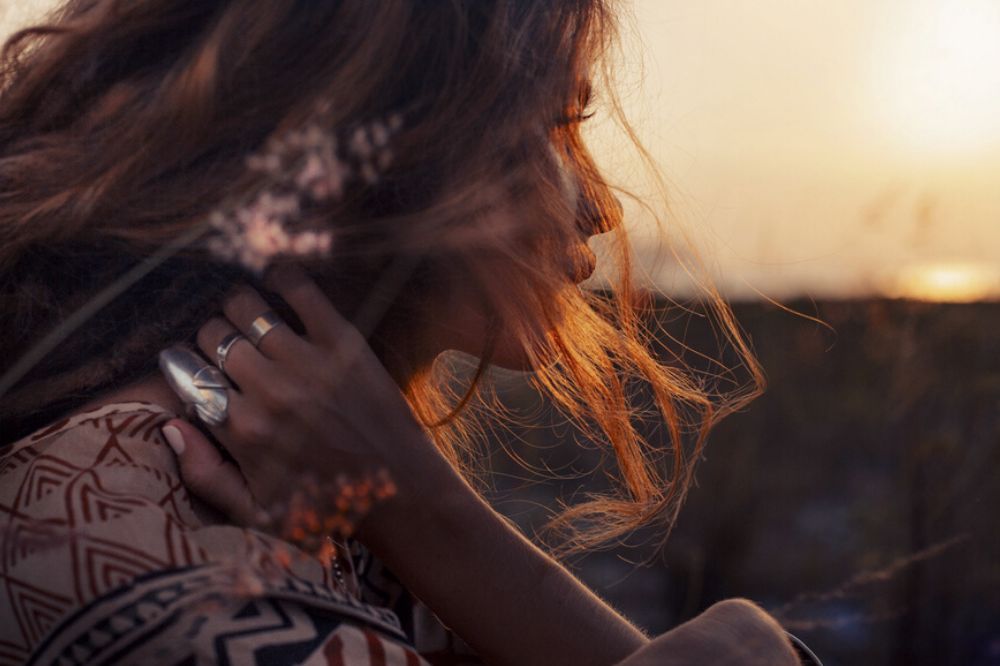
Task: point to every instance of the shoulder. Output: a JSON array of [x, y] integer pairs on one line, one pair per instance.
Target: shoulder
[[94, 486], [73, 497], [99, 534], [88, 471]]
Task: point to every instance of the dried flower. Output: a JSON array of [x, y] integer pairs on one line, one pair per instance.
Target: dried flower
[[316, 511], [301, 168]]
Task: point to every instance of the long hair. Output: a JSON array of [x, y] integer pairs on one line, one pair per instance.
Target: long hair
[[122, 123]]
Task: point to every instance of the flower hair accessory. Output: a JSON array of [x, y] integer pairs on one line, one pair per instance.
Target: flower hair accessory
[[303, 167]]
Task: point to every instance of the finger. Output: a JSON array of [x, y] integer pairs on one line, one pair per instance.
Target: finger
[[280, 343], [322, 321], [244, 362], [209, 476], [251, 434]]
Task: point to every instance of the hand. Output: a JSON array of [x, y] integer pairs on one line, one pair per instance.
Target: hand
[[734, 631], [318, 404]]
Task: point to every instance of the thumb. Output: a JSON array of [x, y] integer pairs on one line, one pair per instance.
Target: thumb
[[208, 475]]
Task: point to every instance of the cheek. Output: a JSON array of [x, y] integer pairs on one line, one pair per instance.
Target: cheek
[[465, 307], [467, 321], [568, 183], [461, 319]]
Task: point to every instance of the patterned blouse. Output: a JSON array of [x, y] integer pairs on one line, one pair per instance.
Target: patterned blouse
[[106, 559]]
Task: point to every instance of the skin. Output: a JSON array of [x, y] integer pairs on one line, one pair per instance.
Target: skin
[[446, 544]]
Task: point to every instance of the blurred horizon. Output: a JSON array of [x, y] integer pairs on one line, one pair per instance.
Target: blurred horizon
[[833, 150]]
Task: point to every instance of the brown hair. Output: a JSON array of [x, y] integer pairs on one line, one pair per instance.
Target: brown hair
[[123, 123]]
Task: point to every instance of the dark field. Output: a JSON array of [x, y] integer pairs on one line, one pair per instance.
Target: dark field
[[858, 499]]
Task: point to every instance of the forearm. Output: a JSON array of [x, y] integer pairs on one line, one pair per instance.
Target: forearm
[[511, 602]]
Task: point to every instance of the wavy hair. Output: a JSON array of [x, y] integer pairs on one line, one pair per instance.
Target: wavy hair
[[122, 123]]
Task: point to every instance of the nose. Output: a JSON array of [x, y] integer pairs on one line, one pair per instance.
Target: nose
[[592, 221]]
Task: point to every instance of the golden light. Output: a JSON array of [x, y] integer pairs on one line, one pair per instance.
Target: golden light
[[947, 282], [940, 91]]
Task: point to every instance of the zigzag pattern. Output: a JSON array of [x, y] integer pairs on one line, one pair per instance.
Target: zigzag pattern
[[259, 622]]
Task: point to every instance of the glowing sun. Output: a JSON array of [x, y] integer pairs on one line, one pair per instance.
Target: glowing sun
[[940, 89], [957, 282]]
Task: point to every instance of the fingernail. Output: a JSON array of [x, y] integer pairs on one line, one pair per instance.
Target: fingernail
[[174, 438]]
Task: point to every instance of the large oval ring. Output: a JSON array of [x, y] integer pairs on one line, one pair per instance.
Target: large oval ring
[[199, 384], [222, 351], [263, 325]]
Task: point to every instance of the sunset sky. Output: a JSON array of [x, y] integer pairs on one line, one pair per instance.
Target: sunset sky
[[825, 148], [819, 148]]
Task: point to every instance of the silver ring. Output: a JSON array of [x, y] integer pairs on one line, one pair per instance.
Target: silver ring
[[198, 383], [263, 325], [222, 351]]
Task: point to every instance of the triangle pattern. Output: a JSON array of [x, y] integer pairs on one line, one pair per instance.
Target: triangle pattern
[[37, 610], [102, 567]]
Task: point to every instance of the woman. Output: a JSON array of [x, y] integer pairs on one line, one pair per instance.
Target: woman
[[438, 198]]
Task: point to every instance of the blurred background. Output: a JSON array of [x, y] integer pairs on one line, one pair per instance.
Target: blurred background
[[837, 168]]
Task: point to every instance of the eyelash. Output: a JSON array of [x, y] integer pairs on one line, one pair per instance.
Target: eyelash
[[567, 120]]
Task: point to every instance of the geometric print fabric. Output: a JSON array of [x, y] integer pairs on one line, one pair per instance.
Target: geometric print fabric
[[106, 558]]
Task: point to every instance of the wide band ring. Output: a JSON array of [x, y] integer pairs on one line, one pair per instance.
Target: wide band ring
[[199, 384], [263, 325], [222, 351]]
